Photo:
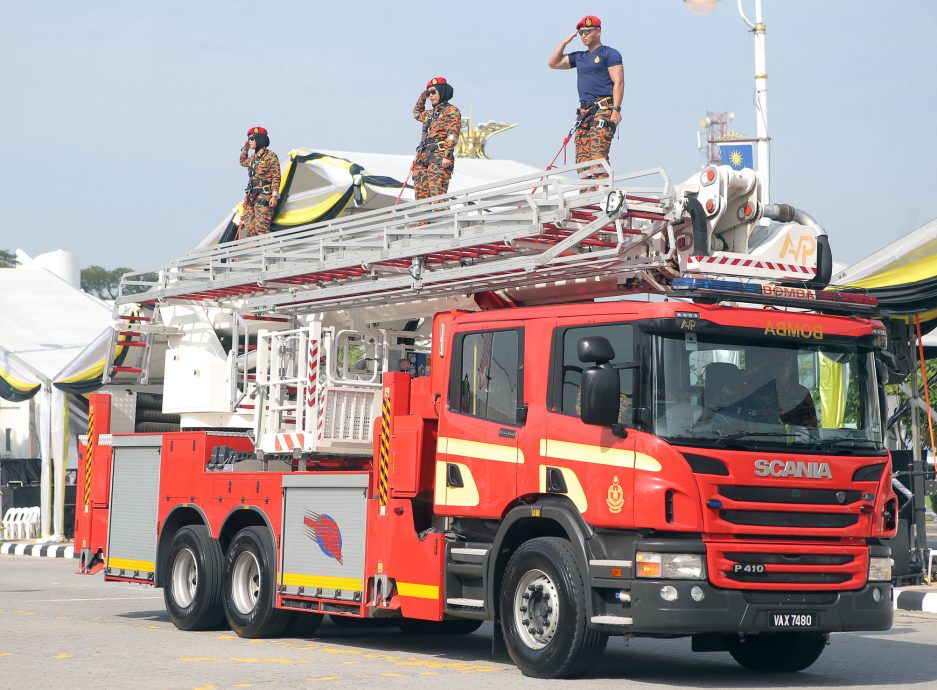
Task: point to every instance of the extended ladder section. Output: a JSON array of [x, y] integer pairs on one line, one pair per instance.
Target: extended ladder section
[[546, 227]]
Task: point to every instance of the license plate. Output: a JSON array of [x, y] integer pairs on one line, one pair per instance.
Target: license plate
[[792, 621]]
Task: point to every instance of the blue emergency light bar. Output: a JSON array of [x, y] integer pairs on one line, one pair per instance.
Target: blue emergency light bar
[[774, 293]]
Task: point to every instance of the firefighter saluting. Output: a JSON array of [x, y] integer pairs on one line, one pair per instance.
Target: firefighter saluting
[[263, 186], [442, 124], [600, 78]]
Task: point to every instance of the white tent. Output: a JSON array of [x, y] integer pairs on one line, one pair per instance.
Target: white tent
[[45, 324]]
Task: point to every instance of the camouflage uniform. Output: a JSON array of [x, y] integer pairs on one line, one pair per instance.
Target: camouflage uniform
[[594, 135], [441, 128], [264, 179]]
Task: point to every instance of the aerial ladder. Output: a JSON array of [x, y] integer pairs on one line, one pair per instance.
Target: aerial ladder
[[286, 335]]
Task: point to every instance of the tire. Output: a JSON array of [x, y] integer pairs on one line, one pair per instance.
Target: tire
[[544, 573], [250, 585], [147, 415], [777, 652], [192, 590], [303, 624], [156, 428], [454, 626]]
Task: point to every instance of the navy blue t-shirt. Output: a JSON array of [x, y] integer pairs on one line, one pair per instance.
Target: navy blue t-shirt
[[592, 71]]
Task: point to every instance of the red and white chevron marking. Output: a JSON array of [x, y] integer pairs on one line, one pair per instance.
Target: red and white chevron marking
[[741, 265], [287, 442], [313, 367], [321, 421]]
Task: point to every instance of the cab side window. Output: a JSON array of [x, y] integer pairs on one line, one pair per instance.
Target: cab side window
[[486, 375], [567, 380]]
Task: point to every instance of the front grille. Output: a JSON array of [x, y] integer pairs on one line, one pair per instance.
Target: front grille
[[799, 578], [768, 566], [790, 558], [771, 494], [773, 518]]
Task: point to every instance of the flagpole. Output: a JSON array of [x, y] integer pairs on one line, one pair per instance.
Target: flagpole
[[763, 166]]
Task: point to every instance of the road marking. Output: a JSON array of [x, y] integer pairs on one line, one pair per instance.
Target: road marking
[[243, 660], [6, 653], [63, 655]]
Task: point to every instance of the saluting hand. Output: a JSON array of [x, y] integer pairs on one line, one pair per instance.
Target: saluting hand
[[569, 39]]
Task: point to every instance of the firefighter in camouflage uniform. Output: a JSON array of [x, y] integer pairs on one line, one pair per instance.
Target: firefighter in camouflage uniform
[[263, 186], [442, 124]]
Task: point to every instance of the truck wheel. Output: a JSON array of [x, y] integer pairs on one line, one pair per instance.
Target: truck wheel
[[777, 652], [192, 590], [543, 611], [250, 583], [455, 626]]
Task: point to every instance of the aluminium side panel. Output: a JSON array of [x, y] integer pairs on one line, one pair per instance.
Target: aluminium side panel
[[323, 535], [134, 505]]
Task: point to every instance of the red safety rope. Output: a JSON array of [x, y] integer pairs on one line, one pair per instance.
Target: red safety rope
[[404, 185]]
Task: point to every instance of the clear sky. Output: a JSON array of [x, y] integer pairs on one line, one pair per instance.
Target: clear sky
[[123, 120]]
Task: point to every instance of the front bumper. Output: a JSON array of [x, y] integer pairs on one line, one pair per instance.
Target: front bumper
[[739, 611]]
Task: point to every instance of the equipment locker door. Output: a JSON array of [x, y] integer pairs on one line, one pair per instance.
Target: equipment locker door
[[477, 451], [134, 504]]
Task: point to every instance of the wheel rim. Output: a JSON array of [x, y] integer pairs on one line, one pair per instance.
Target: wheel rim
[[245, 582], [536, 609], [184, 578]]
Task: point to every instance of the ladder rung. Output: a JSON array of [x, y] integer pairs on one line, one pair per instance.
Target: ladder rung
[[130, 343], [135, 318], [130, 333], [128, 370], [276, 319]]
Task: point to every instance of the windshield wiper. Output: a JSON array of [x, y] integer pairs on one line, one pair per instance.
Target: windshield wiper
[[846, 440], [723, 440]]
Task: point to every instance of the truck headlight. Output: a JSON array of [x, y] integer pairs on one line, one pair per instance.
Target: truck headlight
[[880, 569], [669, 566]]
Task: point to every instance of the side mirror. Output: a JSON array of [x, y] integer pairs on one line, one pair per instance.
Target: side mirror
[[600, 390], [595, 348]]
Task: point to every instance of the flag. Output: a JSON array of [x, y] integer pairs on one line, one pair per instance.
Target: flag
[[738, 155]]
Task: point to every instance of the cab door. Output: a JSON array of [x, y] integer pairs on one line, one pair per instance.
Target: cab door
[[477, 452], [594, 467]]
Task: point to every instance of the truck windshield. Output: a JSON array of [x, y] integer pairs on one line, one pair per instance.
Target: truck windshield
[[711, 390]]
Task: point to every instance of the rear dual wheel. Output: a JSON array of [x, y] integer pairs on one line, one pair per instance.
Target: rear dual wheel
[[192, 591], [250, 585]]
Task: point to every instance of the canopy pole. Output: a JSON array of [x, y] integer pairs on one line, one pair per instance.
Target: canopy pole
[[930, 419], [917, 466]]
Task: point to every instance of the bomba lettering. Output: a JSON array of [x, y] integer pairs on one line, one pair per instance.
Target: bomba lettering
[[793, 468], [789, 329]]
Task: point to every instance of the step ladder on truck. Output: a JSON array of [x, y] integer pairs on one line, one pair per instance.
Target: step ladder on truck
[[422, 413]]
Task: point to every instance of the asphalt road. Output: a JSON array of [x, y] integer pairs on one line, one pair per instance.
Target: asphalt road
[[61, 630]]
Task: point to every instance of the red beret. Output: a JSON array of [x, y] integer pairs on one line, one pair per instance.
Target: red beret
[[589, 20], [256, 130], [435, 81]]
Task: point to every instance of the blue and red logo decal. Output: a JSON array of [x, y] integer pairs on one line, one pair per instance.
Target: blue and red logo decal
[[325, 532]]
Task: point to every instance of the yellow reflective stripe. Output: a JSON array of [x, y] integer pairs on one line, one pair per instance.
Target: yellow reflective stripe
[[479, 450], [130, 564], [346, 584], [411, 589], [463, 496], [598, 455]]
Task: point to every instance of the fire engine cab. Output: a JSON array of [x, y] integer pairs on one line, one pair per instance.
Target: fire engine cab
[[423, 414]]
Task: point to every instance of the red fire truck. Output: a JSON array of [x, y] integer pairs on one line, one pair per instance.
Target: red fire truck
[[421, 414]]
